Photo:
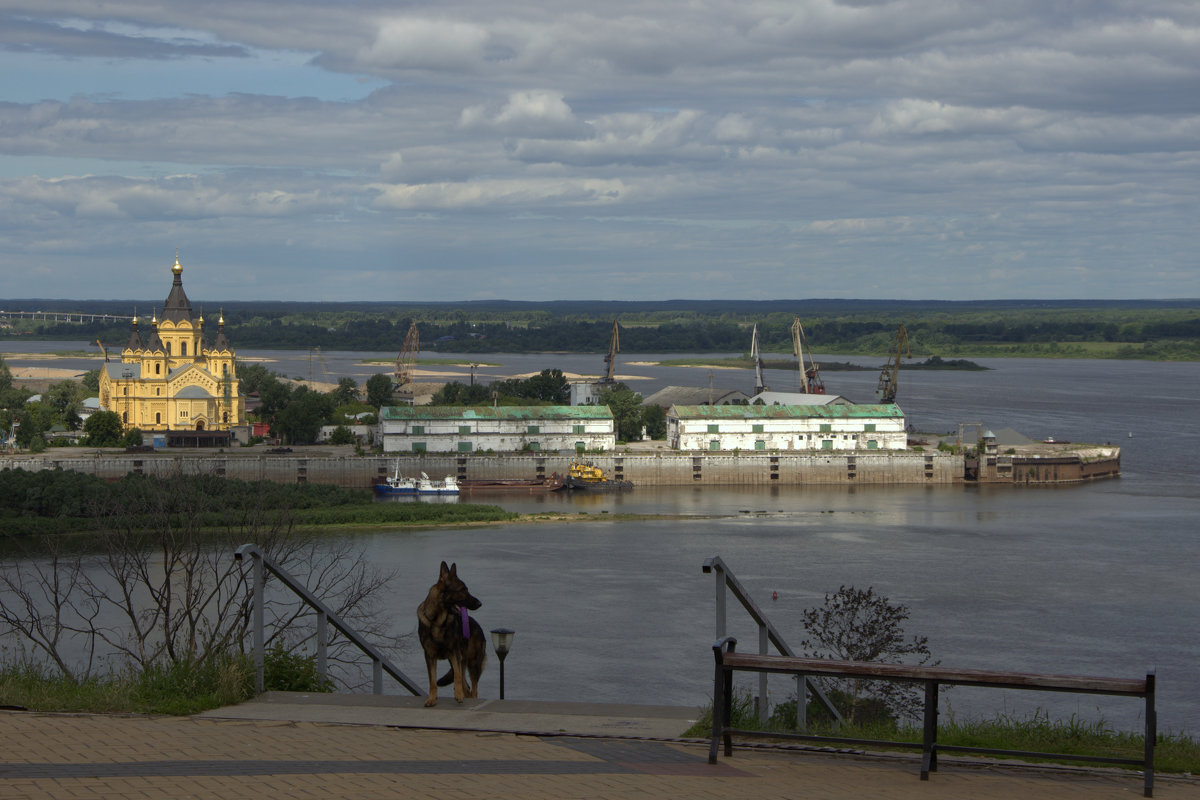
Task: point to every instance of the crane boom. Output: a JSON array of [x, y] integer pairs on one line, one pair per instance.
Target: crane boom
[[889, 376], [810, 376], [406, 361], [759, 386], [610, 360]]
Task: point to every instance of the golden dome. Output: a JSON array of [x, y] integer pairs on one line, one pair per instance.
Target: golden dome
[[177, 268]]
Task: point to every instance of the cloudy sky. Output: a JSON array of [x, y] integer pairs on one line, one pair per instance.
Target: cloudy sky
[[473, 149]]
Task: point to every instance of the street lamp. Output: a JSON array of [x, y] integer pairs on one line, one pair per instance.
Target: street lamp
[[502, 639]]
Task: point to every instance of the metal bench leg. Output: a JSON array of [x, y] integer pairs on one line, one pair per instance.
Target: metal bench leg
[[727, 712], [929, 742], [1151, 737], [718, 723], [722, 698]]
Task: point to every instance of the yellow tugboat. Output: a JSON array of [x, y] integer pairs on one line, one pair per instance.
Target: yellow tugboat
[[588, 476], [585, 473]]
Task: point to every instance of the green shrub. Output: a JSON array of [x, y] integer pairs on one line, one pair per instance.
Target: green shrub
[[193, 686], [341, 435], [288, 671], [868, 711], [741, 715]]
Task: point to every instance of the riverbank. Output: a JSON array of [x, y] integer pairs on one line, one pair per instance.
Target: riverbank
[[1035, 464]]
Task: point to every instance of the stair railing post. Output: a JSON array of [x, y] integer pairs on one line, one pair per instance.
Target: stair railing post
[[257, 617], [763, 643], [322, 644], [719, 574], [801, 703]]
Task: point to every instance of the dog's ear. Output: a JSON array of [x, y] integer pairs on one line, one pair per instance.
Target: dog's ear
[[444, 573], [453, 571]]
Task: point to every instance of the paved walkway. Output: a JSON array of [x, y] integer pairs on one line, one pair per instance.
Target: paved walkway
[[218, 756]]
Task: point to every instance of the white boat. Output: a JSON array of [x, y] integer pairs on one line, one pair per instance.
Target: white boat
[[398, 484], [447, 485]]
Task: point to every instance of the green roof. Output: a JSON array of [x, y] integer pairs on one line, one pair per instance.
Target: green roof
[[498, 412], [788, 412]]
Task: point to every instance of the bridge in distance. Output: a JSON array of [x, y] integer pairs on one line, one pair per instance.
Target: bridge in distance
[[65, 316]]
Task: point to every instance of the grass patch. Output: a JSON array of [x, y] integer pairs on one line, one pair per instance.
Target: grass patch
[[167, 689], [1173, 752], [403, 514], [175, 689], [59, 501]]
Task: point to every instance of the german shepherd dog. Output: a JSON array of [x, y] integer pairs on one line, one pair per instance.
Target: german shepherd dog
[[447, 632]]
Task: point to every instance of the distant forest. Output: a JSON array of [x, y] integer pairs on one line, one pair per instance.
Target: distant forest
[[1042, 328]]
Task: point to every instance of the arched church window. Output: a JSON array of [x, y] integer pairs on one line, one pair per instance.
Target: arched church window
[[183, 348], [157, 418], [125, 417], [158, 369]]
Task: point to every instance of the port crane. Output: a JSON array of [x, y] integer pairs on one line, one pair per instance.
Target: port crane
[[756, 355], [102, 350], [810, 376], [406, 361], [610, 360], [890, 374]]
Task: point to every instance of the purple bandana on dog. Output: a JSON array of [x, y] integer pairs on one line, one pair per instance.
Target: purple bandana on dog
[[466, 620]]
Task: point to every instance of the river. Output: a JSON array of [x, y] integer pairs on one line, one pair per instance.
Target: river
[[1093, 579]]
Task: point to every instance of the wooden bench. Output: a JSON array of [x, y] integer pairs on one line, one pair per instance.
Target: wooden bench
[[729, 661]]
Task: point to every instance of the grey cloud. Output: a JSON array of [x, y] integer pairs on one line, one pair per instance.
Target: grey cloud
[[174, 197], [885, 144], [19, 33]]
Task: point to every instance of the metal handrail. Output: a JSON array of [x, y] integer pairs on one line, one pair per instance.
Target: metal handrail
[[933, 679], [767, 633], [325, 617]]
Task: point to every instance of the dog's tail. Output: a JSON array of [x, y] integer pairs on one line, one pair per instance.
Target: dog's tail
[[446, 679]]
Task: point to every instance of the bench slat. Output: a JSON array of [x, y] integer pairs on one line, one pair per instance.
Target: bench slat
[[963, 677]]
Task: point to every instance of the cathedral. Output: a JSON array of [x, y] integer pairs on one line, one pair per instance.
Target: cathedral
[[170, 380]]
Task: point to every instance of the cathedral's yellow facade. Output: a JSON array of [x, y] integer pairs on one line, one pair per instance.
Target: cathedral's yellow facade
[[169, 379]]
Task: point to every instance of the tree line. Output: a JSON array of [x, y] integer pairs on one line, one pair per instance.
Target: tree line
[[550, 387], [858, 327], [295, 413], [32, 423]]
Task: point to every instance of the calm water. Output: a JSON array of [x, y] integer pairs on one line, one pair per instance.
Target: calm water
[[1100, 578]]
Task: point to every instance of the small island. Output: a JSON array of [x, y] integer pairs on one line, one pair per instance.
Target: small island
[[745, 362]]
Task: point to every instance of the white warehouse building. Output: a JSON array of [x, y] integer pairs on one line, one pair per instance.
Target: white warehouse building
[[467, 429], [757, 427]]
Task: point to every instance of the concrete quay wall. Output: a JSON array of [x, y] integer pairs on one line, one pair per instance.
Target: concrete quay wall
[[651, 469]]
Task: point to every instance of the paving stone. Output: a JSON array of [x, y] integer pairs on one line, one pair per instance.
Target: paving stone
[[121, 756]]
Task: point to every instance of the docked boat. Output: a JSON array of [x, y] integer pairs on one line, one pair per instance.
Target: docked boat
[[590, 477], [397, 484], [512, 485]]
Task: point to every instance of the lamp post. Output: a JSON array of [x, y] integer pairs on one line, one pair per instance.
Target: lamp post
[[502, 639]]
